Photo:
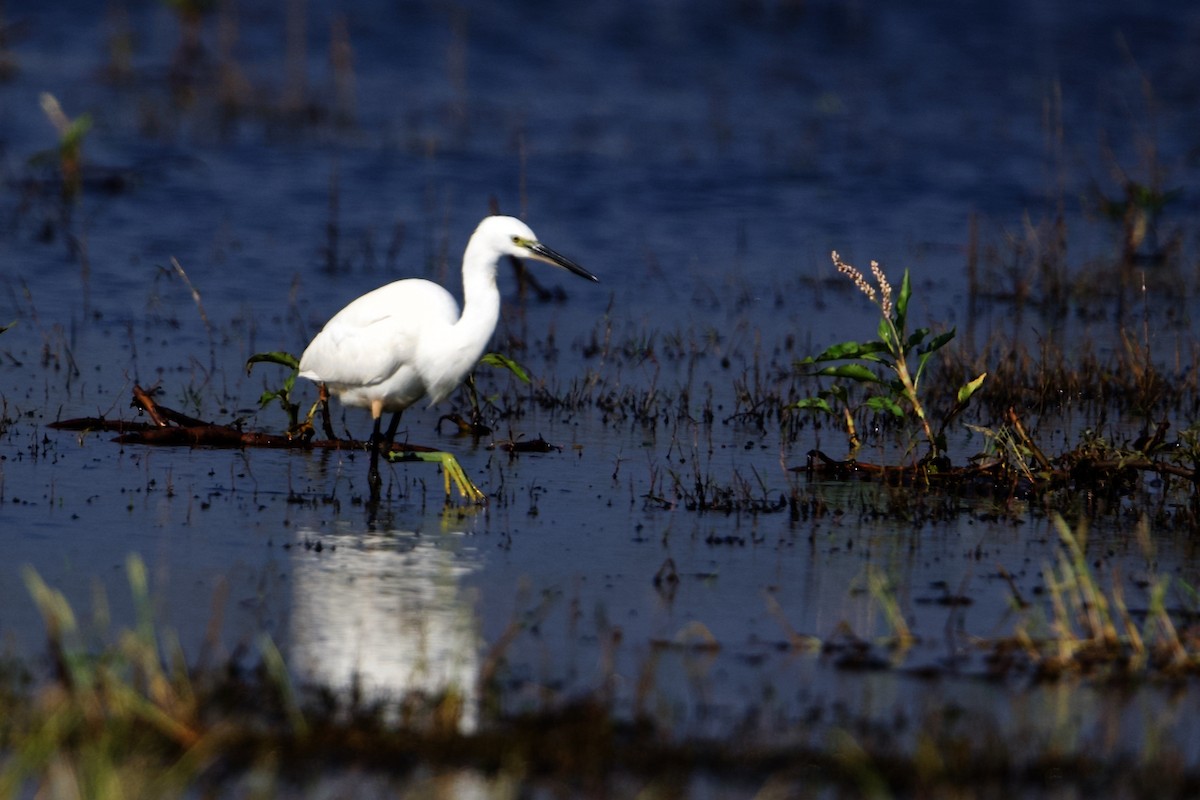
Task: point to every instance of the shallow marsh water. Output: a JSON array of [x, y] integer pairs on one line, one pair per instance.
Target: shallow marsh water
[[703, 161]]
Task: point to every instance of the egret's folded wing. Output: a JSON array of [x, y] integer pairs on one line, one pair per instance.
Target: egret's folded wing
[[358, 355], [369, 340]]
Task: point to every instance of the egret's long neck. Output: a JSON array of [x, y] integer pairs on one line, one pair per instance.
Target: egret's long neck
[[481, 297]]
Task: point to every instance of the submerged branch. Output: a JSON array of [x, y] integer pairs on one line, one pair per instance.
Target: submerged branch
[[172, 428]]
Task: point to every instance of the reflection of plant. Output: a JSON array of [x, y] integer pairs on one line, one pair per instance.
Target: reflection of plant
[[884, 593], [69, 152], [895, 350], [190, 14], [1138, 214]]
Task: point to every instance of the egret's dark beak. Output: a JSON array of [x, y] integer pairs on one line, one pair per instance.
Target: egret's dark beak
[[542, 253]]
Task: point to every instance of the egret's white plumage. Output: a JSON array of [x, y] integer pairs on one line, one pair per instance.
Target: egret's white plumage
[[407, 340], [397, 344]]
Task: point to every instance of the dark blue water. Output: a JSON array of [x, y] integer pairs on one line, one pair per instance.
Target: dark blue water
[[703, 159]]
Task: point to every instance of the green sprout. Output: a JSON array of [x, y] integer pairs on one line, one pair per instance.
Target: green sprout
[[504, 362], [69, 152]]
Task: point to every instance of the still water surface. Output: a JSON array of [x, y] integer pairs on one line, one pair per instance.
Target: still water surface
[[703, 159]]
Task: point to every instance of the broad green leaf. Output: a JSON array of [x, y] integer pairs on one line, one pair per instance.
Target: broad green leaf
[[884, 331], [922, 360], [75, 132], [887, 363], [273, 357], [939, 341], [970, 387], [497, 360], [855, 372], [266, 398], [846, 351], [813, 404], [885, 405], [935, 344], [915, 338], [902, 302]]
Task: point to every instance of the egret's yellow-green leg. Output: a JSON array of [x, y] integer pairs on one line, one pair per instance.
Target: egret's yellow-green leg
[[451, 471]]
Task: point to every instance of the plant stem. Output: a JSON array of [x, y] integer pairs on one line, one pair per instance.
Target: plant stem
[[900, 367]]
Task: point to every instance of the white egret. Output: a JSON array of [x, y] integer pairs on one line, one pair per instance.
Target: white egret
[[406, 340]]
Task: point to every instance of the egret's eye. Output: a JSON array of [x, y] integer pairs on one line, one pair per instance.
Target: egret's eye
[[516, 240]]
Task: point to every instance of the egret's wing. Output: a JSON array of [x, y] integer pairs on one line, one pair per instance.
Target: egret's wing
[[369, 340], [357, 355]]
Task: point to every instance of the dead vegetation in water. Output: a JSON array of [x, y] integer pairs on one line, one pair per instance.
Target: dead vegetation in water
[[1013, 463], [1080, 625]]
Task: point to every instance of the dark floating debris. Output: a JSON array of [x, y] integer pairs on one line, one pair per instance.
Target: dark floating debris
[[538, 445]]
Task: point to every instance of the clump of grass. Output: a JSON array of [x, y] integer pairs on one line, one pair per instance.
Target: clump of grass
[[1092, 631], [107, 716]]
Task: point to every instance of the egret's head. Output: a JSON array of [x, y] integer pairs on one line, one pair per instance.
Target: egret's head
[[510, 236]]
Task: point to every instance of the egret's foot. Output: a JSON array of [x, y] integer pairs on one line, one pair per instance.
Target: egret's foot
[[451, 471]]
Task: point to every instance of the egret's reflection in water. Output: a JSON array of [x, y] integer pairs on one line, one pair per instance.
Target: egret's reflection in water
[[383, 612]]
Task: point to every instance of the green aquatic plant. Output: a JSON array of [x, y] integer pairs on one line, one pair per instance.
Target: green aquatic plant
[[283, 394], [67, 155], [890, 367]]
